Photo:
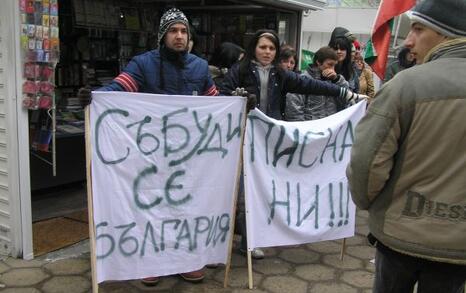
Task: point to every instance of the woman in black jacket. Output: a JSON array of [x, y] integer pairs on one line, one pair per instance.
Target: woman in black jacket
[[259, 73]]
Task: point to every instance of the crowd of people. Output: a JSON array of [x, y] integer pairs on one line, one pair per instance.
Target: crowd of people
[[266, 73]]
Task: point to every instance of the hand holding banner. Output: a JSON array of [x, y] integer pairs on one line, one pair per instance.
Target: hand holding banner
[[163, 173], [295, 182]]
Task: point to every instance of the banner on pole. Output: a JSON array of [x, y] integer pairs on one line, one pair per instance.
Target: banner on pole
[[163, 174], [295, 182]]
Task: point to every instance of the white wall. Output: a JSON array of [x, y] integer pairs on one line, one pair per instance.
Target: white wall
[[357, 20], [15, 195], [318, 25], [10, 203]]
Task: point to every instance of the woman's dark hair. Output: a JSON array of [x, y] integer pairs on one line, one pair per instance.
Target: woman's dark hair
[[345, 68], [402, 58], [286, 51], [325, 53], [268, 34], [251, 52], [226, 55]]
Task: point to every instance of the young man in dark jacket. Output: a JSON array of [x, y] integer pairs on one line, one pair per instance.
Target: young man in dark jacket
[[408, 161], [169, 70], [300, 107]]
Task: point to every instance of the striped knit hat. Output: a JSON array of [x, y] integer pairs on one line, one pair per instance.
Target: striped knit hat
[[169, 18], [447, 17]]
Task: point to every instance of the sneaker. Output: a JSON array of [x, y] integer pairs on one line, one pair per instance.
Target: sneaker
[[193, 277], [256, 253], [151, 281]]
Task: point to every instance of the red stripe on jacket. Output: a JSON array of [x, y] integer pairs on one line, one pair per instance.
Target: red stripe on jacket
[[212, 91], [127, 82]]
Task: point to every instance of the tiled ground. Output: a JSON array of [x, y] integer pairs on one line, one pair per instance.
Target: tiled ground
[[315, 268]]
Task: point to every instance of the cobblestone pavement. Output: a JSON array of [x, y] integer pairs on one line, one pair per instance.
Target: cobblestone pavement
[[315, 268]]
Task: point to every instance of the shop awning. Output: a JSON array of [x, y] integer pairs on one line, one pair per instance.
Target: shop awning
[[296, 4]]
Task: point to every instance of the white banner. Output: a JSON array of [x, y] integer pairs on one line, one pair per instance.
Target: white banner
[[295, 182], [163, 175]]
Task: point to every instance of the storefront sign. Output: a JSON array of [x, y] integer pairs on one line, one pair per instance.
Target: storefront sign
[[295, 182], [163, 174]]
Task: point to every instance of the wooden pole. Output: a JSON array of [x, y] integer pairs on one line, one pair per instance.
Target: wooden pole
[[90, 207], [235, 196], [249, 253], [343, 249], [250, 280]]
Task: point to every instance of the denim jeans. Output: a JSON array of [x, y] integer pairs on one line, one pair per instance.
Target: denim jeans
[[398, 273]]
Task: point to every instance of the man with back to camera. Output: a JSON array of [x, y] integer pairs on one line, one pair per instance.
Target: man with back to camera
[[408, 161]]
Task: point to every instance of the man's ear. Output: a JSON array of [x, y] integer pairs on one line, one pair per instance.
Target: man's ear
[[318, 63], [444, 37]]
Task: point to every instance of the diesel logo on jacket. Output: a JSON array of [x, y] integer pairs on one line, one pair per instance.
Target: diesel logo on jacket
[[418, 206]]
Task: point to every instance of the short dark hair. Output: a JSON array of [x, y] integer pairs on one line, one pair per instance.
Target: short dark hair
[[286, 51], [325, 53], [403, 58]]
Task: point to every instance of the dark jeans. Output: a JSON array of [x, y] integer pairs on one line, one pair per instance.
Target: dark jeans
[[397, 273], [241, 214], [242, 230]]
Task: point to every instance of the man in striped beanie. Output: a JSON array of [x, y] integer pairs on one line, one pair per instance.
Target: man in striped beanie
[[169, 18], [408, 160], [169, 70], [443, 20]]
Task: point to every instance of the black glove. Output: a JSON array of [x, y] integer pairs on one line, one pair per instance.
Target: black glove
[[251, 102], [85, 96], [251, 98]]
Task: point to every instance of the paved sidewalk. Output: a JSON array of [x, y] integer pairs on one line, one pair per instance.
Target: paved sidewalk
[[312, 268]]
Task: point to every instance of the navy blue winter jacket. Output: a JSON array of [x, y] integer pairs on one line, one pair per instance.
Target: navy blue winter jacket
[[143, 73], [280, 83]]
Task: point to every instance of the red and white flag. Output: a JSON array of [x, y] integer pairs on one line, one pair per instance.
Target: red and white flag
[[377, 47]]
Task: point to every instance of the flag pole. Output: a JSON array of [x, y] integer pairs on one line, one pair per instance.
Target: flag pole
[[397, 31]]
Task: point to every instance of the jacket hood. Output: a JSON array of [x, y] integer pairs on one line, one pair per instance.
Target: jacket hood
[[341, 32], [313, 71]]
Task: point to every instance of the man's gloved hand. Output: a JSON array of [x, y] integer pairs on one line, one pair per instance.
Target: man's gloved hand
[[353, 98], [85, 96], [251, 98]]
